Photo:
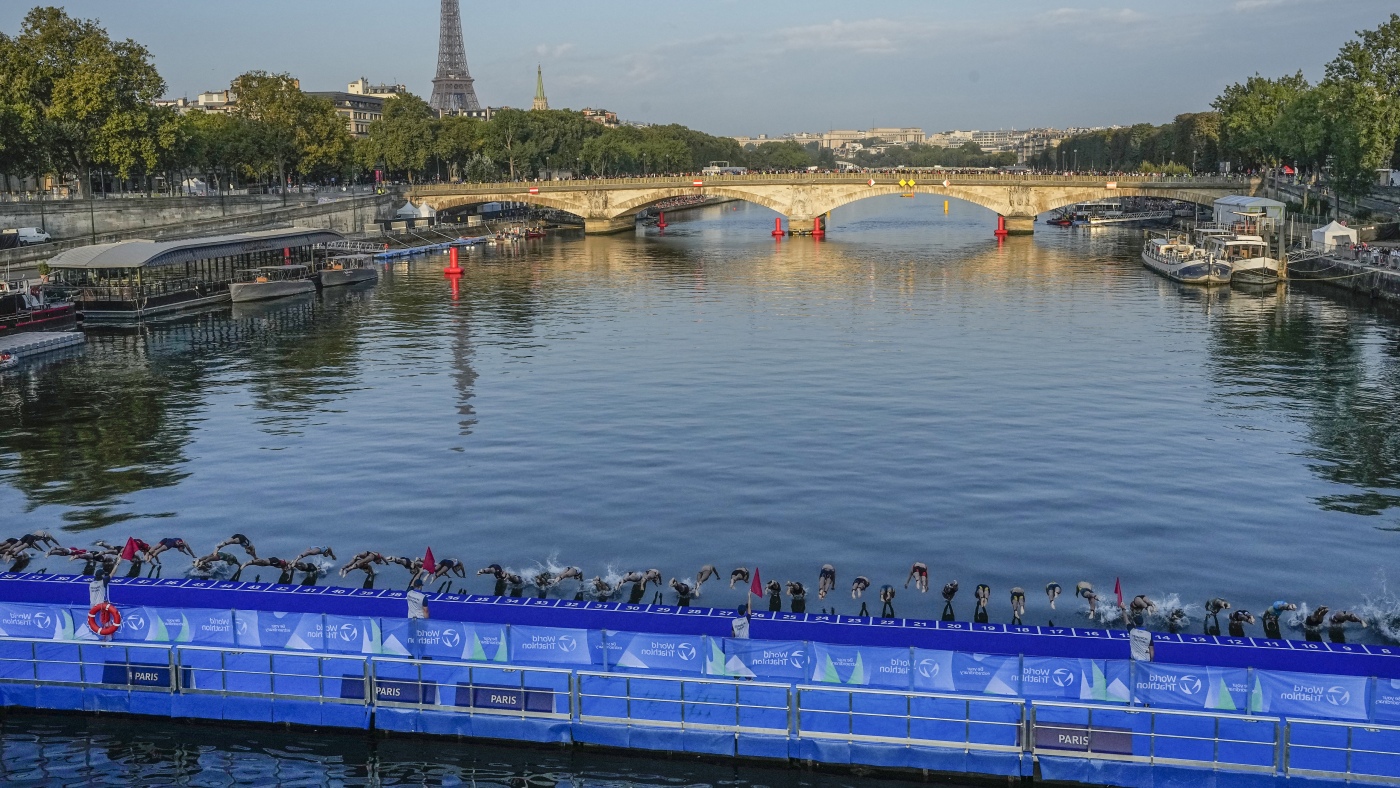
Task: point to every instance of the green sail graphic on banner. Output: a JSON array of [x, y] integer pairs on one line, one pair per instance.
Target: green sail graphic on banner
[[158, 633], [827, 671], [186, 631], [1224, 701], [1099, 686], [714, 663], [477, 653], [1256, 698], [858, 674]]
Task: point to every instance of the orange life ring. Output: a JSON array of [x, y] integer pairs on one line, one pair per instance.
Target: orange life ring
[[104, 619]]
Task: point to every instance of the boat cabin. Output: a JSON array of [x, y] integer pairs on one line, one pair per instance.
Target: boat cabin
[[131, 280], [273, 273], [1231, 248]]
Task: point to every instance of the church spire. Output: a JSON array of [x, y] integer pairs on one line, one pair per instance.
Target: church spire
[[540, 101]]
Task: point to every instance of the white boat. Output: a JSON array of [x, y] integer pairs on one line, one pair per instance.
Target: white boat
[[271, 281], [1247, 256], [1183, 262], [348, 270]]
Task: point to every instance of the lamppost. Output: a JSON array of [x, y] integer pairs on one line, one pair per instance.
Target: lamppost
[[1076, 160]]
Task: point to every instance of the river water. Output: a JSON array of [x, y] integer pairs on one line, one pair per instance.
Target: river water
[[908, 389]]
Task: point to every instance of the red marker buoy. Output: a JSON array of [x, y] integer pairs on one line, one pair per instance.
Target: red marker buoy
[[661, 222], [452, 267], [778, 227], [1001, 232], [817, 230]]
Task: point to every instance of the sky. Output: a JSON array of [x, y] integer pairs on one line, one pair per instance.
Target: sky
[[734, 67]]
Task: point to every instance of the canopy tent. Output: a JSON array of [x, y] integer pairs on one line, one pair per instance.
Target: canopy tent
[[1333, 236]]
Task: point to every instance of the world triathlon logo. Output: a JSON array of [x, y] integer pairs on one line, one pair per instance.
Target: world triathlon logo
[[42, 620], [349, 632], [136, 621], [686, 652], [798, 657], [929, 668], [1063, 677], [567, 643], [451, 638], [240, 625], [1338, 696], [1188, 684]]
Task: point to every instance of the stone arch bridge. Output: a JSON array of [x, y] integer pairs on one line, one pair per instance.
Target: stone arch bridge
[[608, 205]]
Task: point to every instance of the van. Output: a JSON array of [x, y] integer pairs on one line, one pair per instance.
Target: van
[[28, 236]]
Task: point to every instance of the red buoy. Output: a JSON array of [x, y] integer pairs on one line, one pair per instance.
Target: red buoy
[[818, 231], [661, 222], [452, 267], [1001, 227], [778, 227]]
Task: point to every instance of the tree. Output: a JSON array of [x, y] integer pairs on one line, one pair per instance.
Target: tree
[[1250, 113], [1364, 106], [403, 139], [81, 98], [508, 139], [459, 141]]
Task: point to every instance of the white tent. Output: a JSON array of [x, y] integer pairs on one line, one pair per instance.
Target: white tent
[[1333, 236], [408, 211], [425, 211]]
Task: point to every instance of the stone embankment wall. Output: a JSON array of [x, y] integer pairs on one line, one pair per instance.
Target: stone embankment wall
[[1359, 277], [187, 219]]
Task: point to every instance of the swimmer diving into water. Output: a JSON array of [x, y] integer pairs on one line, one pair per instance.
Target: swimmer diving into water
[[1018, 604], [919, 574], [240, 540], [798, 593], [1271, 615], [1052, 592], [826, 581], [950, 590], [859, 585], [740, 575], [984, 595]]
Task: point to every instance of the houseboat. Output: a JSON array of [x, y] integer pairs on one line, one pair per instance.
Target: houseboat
[[1183, 262], [1247, 255], [132, 280], [271, 281], [25, 306], [347, 269]]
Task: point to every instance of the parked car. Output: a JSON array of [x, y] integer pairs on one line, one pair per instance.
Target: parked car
[[28, 236]]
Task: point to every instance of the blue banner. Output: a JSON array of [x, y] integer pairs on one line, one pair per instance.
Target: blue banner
[[458, 640], [284, 631], [1309, 695], [1191, 687], [351, 634], [769, 659], [556, 646], [42, 622], [643, 651], [860, 666], [1386, 703], [933, 670], [394, 636], [1074, 679], [988, 674]]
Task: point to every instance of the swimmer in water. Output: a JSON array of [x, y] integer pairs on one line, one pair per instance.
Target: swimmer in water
[[859, 585], [826, 581], [1018, 604], [1138, 610], [37, 540], [1312, 625], [1052, 592], [363, 562], [1337, 631], [206, 563], [919, 574], [311, 551], [798, 593], [707, 572], [449, 567], [1271, 615], [1087, 593], [1176, 620], [240, 540], [949, 591], [1238, 619], [740, 575], [168, 544], [285, 567], [602, 590], [984, 595], [1214, 607], [886, 601]]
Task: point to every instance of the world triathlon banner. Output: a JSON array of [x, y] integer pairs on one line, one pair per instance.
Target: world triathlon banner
[[194, 626], [766, 659], [1385, 705], [1075, 679], [457, 640], [643, 651], [555, 646], [1191, 687], [1309, 695], [41, 622], [957, 671], [860, 666]]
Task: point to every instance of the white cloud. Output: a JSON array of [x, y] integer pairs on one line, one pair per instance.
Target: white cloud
[[558, 50], [865, 36]]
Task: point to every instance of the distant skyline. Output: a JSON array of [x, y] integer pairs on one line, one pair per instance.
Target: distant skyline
[[740, 68]]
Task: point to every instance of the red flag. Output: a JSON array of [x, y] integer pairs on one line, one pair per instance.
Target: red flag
[[129, 552], [756, 587], [429, 565], [1118, 590]]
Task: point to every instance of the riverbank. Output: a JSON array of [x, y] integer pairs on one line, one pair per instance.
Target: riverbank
[[1371, 279]]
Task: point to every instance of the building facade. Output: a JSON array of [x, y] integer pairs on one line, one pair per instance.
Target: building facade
[[359, 110]]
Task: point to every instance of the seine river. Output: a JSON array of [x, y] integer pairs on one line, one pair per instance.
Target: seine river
[[1041, 410]]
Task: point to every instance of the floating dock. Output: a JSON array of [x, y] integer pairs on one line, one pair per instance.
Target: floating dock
[[27, 345], [1059, 704]]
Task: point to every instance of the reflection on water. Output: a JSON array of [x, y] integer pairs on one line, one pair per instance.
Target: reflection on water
[[66, 751], [1019, 413]]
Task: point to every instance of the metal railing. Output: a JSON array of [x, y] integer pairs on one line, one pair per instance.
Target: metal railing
[[926, 718], [685, 703], [1155, 736], [1351, 751], [281, 674], [49, 663], [539, 693]]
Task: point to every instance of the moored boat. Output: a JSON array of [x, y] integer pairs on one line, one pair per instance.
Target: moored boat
[[25, 307], [1247, 256], [271, 281], [348, 270], [1183, 262]]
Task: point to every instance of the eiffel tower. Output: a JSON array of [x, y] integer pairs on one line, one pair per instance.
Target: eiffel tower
[[452, 87]]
